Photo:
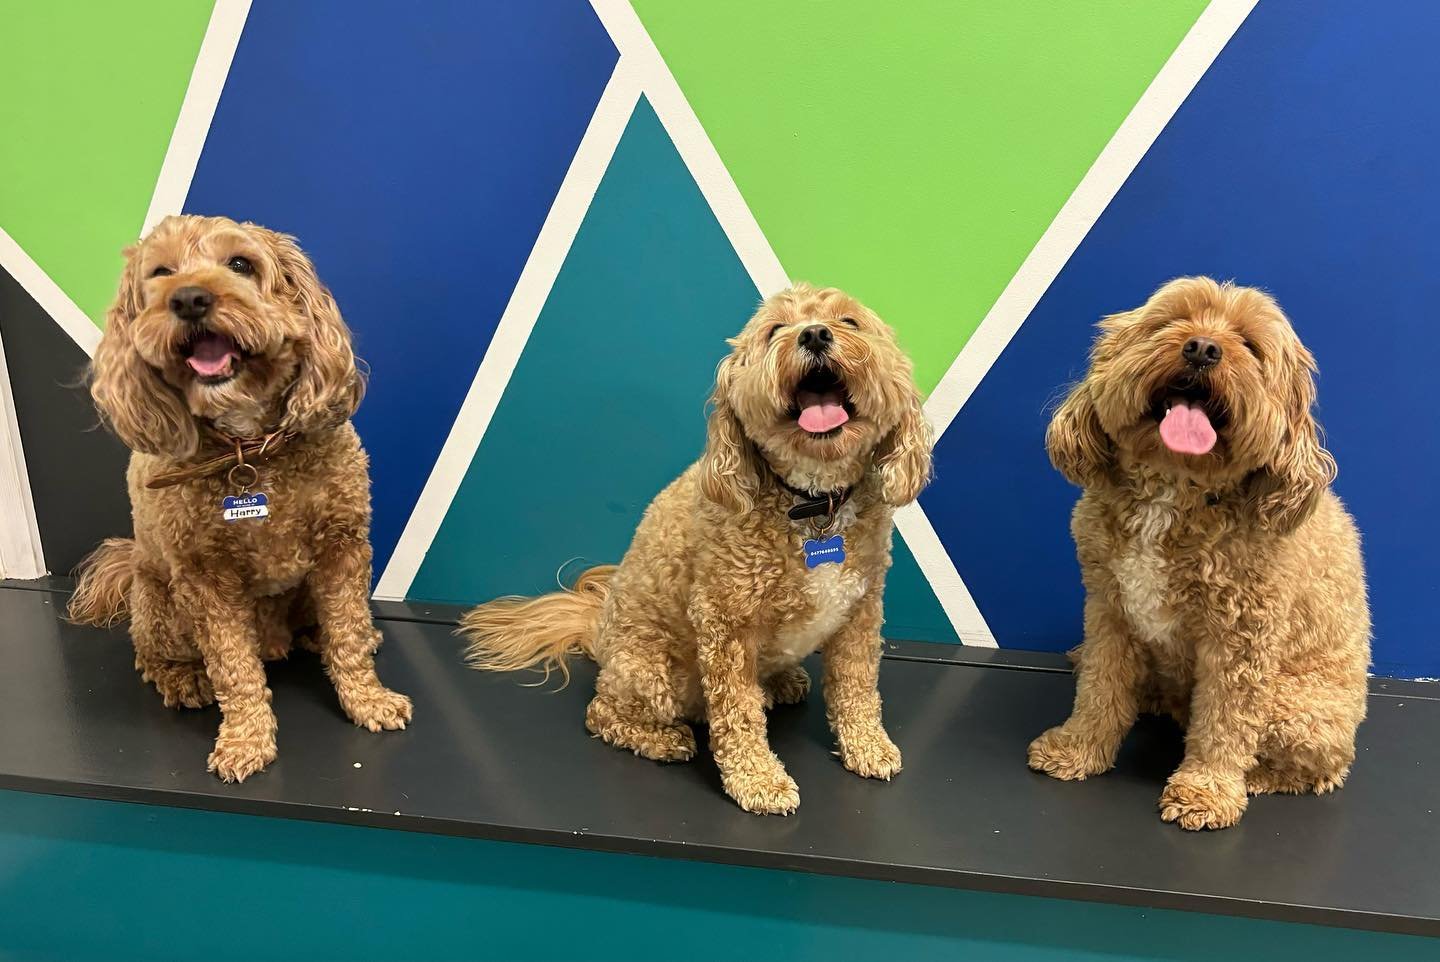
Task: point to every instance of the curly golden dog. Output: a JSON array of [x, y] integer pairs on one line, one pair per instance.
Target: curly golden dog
[[222, 341], [1224, 582], [732, 577]]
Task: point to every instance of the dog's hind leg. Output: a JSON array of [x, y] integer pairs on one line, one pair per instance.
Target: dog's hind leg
[[163, 654], [1310, 744], [639, 701], [789, 686], [629, 724]]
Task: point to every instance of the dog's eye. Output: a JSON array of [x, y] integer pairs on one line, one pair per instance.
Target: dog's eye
[[161, 272], [770, 334], [1251, 348], [241, 266], [851, 321]]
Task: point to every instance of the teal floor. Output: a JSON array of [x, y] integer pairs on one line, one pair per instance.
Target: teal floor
[[101, 880]]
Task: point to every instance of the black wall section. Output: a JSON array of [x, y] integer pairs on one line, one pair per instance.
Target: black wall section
[[77, 470]]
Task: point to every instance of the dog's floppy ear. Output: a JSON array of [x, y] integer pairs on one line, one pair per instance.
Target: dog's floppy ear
[[329, 386], [729, 469], [904, 455], [134, 400], [1286, 491], [1078, 446]]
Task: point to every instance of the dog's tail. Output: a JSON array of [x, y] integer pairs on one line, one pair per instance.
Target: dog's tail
[[509, 634], [102, 595]]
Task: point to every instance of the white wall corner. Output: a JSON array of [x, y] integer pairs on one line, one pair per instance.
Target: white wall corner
[[20, 553]]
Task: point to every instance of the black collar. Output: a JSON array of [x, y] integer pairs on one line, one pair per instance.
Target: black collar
[[813, 505]]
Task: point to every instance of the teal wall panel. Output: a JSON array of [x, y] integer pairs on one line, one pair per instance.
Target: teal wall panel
[[912, 612], [84, 880], [606, 405]]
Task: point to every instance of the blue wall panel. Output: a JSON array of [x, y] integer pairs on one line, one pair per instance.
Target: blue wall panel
[[1303, 163], [415, 151]]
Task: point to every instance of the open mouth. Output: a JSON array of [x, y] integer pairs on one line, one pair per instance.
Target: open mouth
[[1189, 416], [821, 406], [214, 357]]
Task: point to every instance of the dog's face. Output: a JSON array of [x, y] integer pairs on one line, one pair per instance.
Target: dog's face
[[221, 322], [1206, 382], [818, 388]]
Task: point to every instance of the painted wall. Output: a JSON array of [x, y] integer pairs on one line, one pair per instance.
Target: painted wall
[[157, 883], [542, 219]]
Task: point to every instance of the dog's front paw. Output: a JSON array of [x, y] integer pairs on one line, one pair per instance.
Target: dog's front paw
[[237, 757], [788, 687], [377, 708], [871, 754], [764, 790], [1063, 754], [1197, 800]]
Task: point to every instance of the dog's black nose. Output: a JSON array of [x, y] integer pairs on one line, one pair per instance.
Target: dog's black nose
[[191, 303], [816, 338], [1201, 352]]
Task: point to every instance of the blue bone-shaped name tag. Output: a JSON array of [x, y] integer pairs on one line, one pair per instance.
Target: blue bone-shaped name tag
[[244, 507], [824, 551]]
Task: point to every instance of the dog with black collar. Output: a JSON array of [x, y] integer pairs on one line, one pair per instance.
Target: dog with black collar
[[772, 546]]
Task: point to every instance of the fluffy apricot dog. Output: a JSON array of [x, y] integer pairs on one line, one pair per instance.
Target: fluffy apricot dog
[[222, 345], [1223, 578], [719, 598]]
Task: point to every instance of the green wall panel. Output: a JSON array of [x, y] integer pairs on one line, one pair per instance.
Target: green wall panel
[[914, 159], [83, 880], [89, 94]]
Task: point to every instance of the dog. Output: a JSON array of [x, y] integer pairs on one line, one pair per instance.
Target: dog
[[770, 547], [227, 370], [1223, 577]]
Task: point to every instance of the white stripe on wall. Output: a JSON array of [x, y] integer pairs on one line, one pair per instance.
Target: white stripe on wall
[[21, 555], [1182, 71], [187, 140], [690, 139], [48, 294], [588, 166]]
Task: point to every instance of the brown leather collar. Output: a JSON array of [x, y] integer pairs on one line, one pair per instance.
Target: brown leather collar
[[815, 505], [242, 451]]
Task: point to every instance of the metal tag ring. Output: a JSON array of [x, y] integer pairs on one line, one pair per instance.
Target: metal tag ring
[[254, 477]]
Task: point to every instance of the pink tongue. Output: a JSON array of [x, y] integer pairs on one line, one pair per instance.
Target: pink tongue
[[211, 355], [821, 412], [1187, 430]]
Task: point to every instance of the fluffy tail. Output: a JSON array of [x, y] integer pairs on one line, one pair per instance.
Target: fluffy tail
[[102, 595], [509, 634]]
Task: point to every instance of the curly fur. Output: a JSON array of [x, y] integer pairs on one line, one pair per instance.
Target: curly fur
[[1226, 589], [712, 609], [209, 601]]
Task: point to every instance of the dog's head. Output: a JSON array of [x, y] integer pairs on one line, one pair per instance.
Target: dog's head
[[817, 388], [225, 323], [1206, 382]]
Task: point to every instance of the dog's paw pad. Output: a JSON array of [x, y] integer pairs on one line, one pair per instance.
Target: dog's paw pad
[[379, 709], [235, 761], [765, 793], [1196, 803], [873, 756], [1062, 755]]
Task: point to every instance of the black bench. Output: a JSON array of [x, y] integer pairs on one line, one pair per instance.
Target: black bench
[[491, 759]]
